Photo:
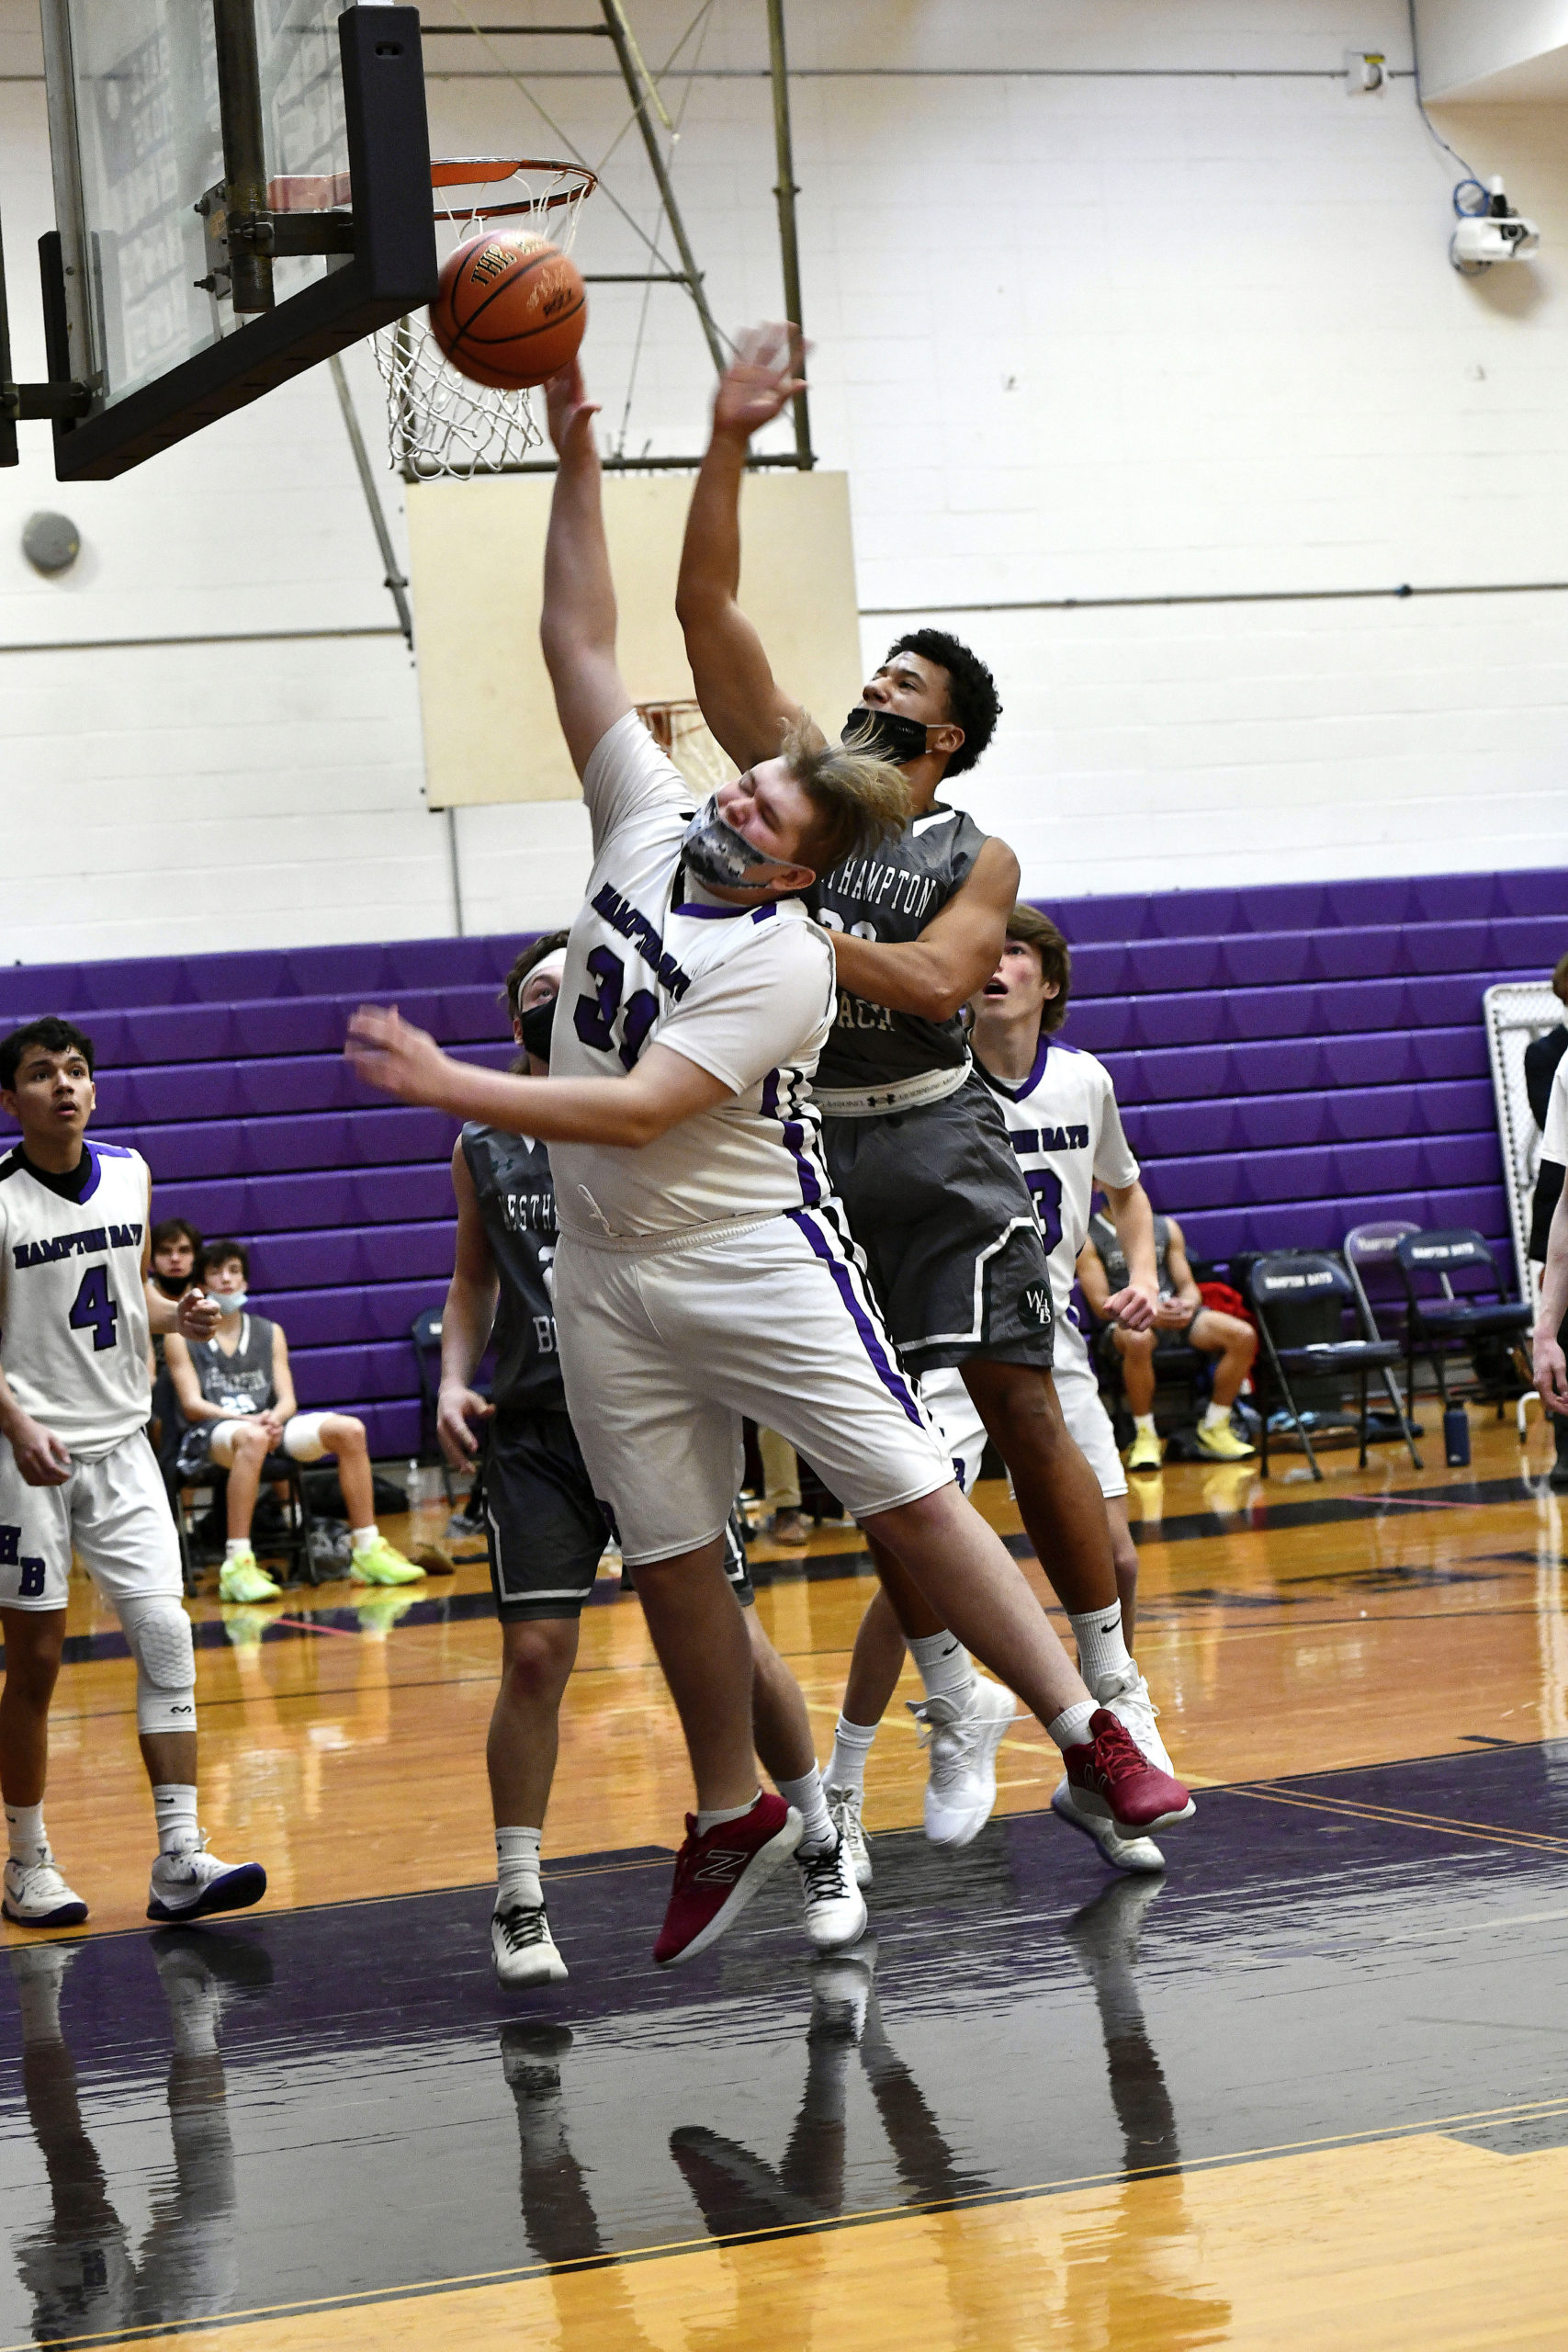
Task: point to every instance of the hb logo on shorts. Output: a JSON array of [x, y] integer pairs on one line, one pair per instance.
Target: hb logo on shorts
[[31, 1585], [1035, 1303]]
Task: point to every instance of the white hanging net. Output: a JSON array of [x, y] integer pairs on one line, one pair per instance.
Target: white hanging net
[[680, 730], [438, 423]]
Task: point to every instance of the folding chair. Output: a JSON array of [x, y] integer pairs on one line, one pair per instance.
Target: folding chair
[[425, 1333], [1436, 1326], [1281, 1285], [293, 1539], [1372, 1260]]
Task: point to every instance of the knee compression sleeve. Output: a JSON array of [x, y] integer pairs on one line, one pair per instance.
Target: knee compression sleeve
[[302, 1437], [158, 1631]]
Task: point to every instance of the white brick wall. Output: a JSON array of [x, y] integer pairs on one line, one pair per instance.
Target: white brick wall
[[1117, 335]]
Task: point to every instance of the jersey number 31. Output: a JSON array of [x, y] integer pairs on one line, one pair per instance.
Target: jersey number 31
[[93, 1310], [595, 1016]]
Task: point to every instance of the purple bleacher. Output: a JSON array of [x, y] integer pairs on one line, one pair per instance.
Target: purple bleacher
[[1292, 1061]]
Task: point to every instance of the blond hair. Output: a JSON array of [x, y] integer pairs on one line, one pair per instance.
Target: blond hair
[[861, 801]]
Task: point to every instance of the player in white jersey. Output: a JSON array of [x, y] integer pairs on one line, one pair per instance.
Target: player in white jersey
[[76, 1471], [702, 1271], [1059, 1105]]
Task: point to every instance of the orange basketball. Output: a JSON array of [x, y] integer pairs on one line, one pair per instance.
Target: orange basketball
[[509, 312]]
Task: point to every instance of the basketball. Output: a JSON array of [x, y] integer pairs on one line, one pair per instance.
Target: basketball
[[509, 312]]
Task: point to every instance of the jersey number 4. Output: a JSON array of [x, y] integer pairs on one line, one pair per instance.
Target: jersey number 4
[[93, 1310], [1046, 1190], [595, 1016]]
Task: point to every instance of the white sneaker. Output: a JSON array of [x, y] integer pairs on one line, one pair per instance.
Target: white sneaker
[[1138, 1855], [37, 1897], [835, 1907], [843, 1811], [1127, 1697], [523, 1948], [194, 1884], [961, 1744]]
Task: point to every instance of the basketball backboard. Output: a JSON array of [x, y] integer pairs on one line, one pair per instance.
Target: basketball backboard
[[241, 187]]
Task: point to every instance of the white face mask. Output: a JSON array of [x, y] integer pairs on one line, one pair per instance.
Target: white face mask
[[228, 1302]]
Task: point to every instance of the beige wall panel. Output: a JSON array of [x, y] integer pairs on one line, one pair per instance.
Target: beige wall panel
[[476, 564]]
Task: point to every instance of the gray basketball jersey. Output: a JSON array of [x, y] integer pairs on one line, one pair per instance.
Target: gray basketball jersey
[[517, 1195], [241, 1383], [891, 896], [1114, 1258], [73, 1311]]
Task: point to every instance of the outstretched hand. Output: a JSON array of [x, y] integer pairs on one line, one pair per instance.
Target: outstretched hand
[[396, 1057], [196, 1316], [570, 411], [761, 380]]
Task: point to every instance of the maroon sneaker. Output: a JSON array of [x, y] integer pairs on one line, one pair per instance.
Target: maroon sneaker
[[1113, 1779], [716, 1876]]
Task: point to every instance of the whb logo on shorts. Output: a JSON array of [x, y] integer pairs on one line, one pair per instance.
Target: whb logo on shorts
[[1036, 1303]]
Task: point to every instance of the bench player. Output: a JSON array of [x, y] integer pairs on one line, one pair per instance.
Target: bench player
[[704, 1271], [546, 1530], [916, 1146], [1063, 1126], [76, 1471]]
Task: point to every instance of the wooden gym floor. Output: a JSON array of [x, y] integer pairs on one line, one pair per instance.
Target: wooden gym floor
[[1311, 2089]]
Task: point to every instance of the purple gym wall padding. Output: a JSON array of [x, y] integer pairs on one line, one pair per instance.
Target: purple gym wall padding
[[1291, 1061]]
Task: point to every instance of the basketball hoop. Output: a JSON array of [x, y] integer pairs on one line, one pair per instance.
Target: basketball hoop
[[680, 731], [438, 423]]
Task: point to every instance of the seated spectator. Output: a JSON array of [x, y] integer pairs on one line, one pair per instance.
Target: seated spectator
[[1181, 1318], [237, 1393], [174, 1242]]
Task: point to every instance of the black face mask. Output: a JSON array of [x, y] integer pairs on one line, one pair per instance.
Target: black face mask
[[887, 733], [174, 1285], [537, 1024]]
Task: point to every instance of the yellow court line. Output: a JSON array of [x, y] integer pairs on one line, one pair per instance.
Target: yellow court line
[[1484, 1832], [710, 2242]]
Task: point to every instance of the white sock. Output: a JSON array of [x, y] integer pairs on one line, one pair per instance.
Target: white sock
[[1070, 1728], [1144, 1421], [942, 1663], [236, 1544], [25, 1829], [364, 1536], [805, 1795], [718, 1815], [174, 1809], [1102, 1650], [517, 1869], [1218, 1417], [852, 1746]]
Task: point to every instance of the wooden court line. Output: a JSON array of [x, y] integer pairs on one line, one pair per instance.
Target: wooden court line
[[1395, 1817], [1524, 2110]]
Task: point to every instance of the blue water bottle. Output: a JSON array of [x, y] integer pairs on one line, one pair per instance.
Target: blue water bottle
[[1456, 1438]]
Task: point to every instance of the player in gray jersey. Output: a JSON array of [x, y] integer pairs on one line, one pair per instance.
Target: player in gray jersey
[[915, 1142], [77, 1474], [544, 1528]]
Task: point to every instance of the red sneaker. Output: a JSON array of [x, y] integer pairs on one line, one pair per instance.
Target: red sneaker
[[716, 1876], [1113, 1779]]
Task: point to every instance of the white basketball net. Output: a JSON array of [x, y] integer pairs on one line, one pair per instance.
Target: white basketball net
[[680, 730], [437, 422]]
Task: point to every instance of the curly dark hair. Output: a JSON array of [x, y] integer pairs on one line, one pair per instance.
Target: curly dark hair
[[973, 702]]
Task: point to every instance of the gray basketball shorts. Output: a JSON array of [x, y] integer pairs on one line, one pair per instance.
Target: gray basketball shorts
[[938, 1204], [544, 1527]]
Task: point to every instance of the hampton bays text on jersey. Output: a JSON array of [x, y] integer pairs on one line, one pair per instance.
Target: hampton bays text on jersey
[[93, 1241]]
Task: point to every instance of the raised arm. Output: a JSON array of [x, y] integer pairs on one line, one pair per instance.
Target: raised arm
[[953, 956], [741, 700], [577, 627]]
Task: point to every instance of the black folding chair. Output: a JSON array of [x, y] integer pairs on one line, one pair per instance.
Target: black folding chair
[[1372, 1260], [1281, 1287], [425, 1333], [1453, 1318], [292, 1540]]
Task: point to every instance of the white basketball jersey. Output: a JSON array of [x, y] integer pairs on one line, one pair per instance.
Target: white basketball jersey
[[73, 1311], [1067, 1130], [746, 993]]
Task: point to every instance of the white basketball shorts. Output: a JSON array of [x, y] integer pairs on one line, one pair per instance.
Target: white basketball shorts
[[112, 1511], [664, 1350], [1088, 1423]]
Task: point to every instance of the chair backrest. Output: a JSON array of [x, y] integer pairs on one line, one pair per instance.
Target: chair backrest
[[1371, 1254], [1454, 1261], [1298, 1278], [425, 1333]]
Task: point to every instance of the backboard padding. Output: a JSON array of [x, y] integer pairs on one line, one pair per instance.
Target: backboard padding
[[476, 564]]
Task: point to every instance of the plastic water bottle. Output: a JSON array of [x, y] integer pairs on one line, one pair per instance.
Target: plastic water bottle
[[1456, 1437], [419, 1482]]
